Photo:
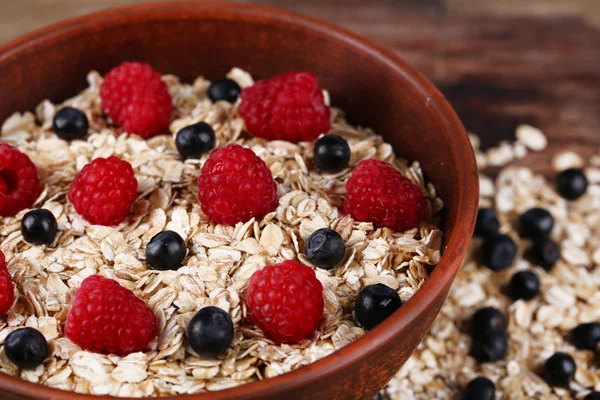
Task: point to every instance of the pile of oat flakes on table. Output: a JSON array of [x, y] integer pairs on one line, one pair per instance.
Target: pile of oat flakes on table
[[569, 294]]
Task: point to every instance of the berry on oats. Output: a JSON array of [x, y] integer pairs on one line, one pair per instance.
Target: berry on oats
[[559, 369], [480, 388], [194, 140], [571, 183], [223, 89], [135, 97], [378, 193], [325, 248], [536, 223], [104, 191], [166, 250], [285, 301], [586, 336], [490, 347], [7, 288], [331, 154], [524, 285], [70, 123], [286, 107], [26, 348], [498, 252], [235, 185], [487, 320], [374, 304], [544, 252], [487, 222], [210, 332], [19, 181], [107, 318], [39, 227]]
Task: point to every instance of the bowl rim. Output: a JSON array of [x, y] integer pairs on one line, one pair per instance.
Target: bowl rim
[[414, 308]]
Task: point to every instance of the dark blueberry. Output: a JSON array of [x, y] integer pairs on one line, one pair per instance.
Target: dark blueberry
[[524, 285], [26, 348], [378, 396], [480, 388], [166, 250], [544, 252], [586, 336], [498, 252], [70, 123], [559, 369], [374, 304], [536, 223], [39, 227], [210, 332], [331, 153], [487, 222], [490, 347], [592, 396], [487, 320], [193, 140], [571, 183], [325, 248], [224, 89]]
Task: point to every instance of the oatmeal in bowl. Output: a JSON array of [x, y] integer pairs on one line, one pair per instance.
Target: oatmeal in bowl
[[173, 238]]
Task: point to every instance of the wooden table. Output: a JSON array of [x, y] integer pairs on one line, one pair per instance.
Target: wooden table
[[500, 63]]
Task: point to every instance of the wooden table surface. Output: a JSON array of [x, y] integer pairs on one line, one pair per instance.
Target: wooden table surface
[[500, 63]]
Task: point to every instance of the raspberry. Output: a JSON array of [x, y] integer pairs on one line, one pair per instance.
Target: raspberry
[[7, 290], [104, 191], [377, 192], [235, 186], [286, 301], [286, 107], [19, 181], [107, 318], [135, 97]]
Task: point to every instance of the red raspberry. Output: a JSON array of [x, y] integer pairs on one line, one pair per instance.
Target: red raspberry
[[7, 290], [286, 107], [377, 192], [135, 97], [104, 191], [19, 181], [107, 318], [285, 301], [235, 186]]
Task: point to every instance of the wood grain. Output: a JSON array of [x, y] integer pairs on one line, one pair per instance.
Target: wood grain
[[499, 63]]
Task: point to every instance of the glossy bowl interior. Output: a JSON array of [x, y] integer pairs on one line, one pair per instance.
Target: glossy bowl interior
[[373, 86]]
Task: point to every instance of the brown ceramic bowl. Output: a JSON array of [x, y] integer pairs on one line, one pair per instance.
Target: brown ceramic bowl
[[374, 87]]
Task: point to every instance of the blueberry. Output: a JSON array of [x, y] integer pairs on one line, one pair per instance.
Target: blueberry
[[39, 227], [210, 332], [487, 222], [26, 348], [224, 89], [490, 347], [524, 285], [498, 252], [69, 123], [592, 396], [378, 396], [487, 320], [586, 336], [374, 304], [536, 223], [571, 183], [193, 140], [559, 369], [480, 388], [545, 253], [166, 250], [325, 248], [331, 153]]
